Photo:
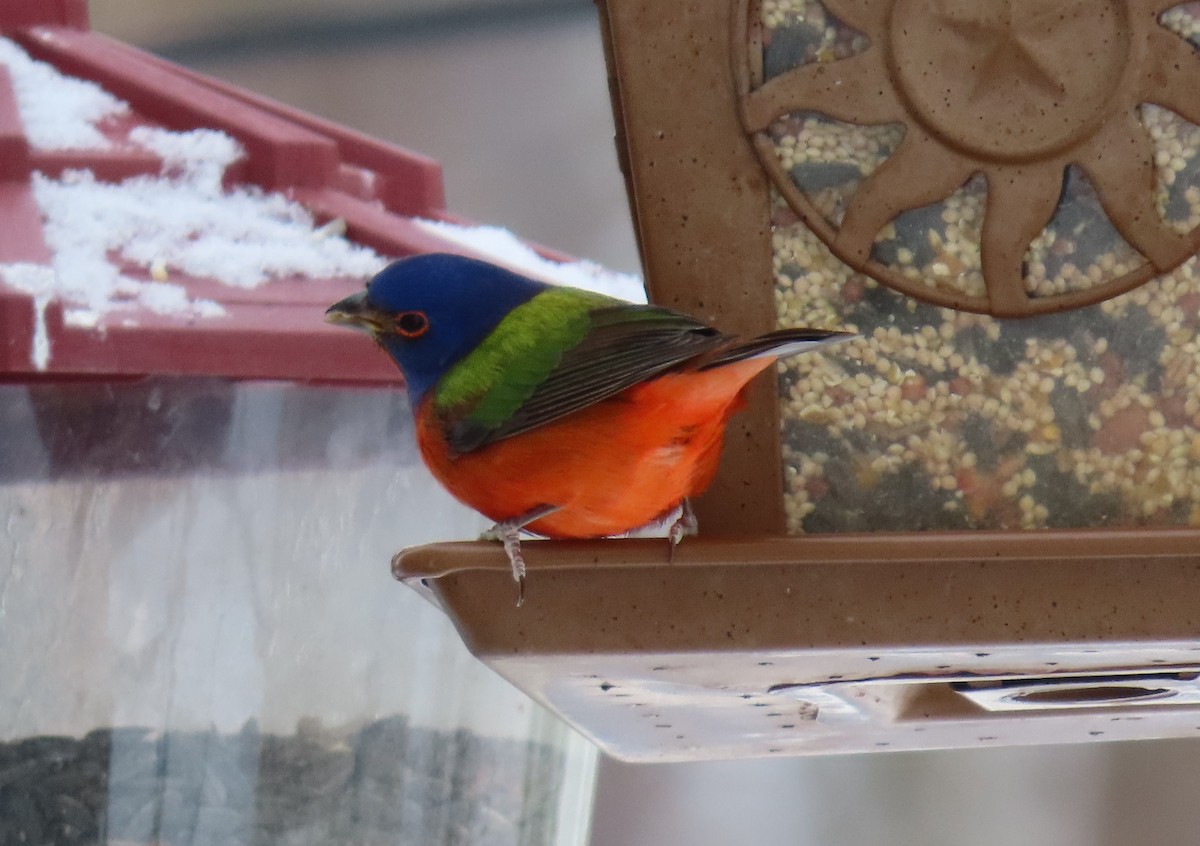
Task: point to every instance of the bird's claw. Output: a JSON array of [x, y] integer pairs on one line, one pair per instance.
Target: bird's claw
[[508, 532], [685, 525], [512, 548]]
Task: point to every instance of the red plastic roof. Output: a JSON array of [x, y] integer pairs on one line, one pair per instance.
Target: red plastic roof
[[274, 331]]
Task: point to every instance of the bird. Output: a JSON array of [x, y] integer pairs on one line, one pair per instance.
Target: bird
[[554, 410]]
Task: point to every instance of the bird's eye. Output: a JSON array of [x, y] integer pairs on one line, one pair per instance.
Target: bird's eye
[[411, 324]]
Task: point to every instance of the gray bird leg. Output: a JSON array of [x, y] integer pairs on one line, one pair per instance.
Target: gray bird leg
[[508, 532], [685, 526]]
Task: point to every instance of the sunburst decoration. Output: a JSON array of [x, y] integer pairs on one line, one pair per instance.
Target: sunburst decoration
[[1025, 93]]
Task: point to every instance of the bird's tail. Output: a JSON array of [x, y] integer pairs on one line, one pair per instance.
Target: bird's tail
[[777, 344]]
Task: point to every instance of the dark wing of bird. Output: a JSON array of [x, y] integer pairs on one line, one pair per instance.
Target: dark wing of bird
[[623, 345]]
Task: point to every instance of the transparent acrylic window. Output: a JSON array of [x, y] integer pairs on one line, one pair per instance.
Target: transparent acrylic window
[[939, 244], [940, 419], [1079, 248], [829, 159], [203, 643], [802, 32]]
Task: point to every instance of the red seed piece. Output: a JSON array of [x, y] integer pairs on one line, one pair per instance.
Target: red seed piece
[[1120, 433]]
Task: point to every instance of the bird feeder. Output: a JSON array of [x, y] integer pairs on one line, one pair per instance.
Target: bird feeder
[[196, 473], [978, 524]]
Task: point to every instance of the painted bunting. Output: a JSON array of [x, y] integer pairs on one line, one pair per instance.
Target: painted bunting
[[554, 410]]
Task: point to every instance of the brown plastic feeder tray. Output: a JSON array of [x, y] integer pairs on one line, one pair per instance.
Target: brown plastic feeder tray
[[755, 643], [838, 644]]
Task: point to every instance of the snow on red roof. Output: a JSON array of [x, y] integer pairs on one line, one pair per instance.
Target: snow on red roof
[[154, 220]]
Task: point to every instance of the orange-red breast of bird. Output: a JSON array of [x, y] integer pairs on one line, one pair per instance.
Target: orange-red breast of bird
[[615, 466]]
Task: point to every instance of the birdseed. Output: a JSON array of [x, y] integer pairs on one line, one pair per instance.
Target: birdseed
[[941, 419], [386, 783]]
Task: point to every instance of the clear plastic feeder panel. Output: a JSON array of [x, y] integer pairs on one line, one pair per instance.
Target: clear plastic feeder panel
[[1058, 414], [203, 644]]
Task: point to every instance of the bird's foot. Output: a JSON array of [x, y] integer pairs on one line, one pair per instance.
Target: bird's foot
[[685, 526], [508, 532]]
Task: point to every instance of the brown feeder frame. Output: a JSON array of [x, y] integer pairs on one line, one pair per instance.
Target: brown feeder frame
[[753, 643]]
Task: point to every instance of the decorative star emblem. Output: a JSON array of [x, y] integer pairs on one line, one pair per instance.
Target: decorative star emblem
[[1016, 90], [1007, 42]]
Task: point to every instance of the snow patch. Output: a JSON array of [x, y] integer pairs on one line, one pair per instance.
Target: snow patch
[[58, 112], [38, 282], [503, 247]]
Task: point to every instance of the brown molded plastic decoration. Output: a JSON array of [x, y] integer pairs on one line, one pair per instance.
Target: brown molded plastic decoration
[[1017, 90]]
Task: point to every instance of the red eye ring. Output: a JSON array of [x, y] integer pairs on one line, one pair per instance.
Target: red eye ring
[[411, 324]]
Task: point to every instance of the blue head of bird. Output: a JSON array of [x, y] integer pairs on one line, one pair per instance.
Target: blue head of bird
[[429, 311]]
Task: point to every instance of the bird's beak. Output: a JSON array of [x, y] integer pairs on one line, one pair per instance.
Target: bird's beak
[[355, 312]]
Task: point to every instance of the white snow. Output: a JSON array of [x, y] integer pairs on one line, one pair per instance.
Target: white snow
[[200, 156], [38, 282], [59, 112], [503, 247], [185, 223]]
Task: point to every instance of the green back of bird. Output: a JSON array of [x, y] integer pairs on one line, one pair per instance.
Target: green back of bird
[[561, 351]]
